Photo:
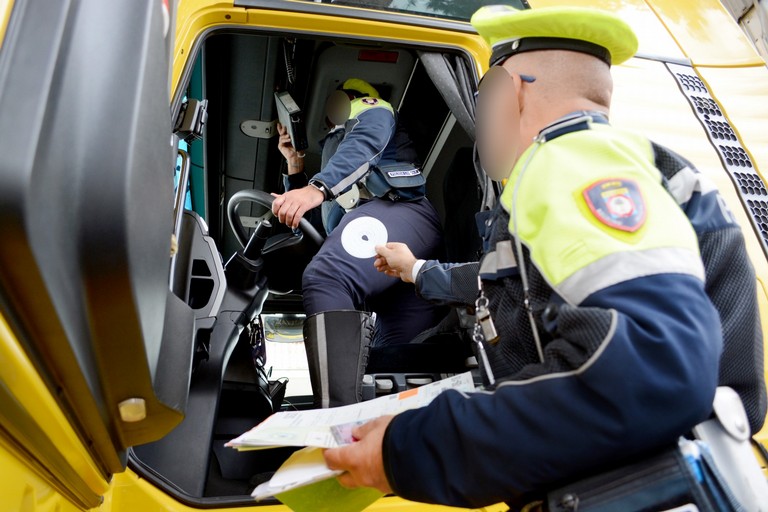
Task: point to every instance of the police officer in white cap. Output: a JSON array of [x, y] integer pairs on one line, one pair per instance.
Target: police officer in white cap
[[610, 295]]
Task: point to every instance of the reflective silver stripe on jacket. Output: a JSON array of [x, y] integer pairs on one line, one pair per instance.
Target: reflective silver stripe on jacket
[[352, 178], [686, 182], [623, 266], [501, 258]]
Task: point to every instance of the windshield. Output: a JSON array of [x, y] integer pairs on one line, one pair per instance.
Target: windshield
[[450, 9]]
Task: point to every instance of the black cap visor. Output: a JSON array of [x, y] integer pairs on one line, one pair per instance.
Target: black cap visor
[[530, 44]]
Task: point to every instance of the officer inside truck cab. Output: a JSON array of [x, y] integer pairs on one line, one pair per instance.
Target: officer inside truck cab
[[371, 191], [599, 279]]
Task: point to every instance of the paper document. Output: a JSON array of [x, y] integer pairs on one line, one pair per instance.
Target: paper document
[[313, 427], [304, 482], [302, 467]]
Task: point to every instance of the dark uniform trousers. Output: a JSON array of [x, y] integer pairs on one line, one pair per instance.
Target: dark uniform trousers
[[337, 280]]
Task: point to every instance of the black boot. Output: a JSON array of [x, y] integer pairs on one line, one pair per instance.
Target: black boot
[[337, 344]]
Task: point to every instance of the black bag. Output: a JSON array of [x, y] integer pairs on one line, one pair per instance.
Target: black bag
[[397, 182], [668, 480]]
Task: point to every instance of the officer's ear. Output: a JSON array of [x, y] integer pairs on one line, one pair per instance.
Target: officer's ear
[[519, 92]]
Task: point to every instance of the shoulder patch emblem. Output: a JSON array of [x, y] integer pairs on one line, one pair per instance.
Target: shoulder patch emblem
[[617, 203], [370, 101]]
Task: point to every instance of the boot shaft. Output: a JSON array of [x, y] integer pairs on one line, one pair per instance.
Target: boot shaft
[[337, 345]]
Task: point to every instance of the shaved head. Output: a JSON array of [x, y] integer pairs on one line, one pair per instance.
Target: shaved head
[[565, 76], [566, 82]]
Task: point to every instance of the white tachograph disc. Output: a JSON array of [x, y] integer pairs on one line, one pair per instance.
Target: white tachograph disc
[[361, 236]]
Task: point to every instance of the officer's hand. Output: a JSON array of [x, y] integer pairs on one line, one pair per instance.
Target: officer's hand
[[292, 157], [396, 260], [290, 207], [362, 460]]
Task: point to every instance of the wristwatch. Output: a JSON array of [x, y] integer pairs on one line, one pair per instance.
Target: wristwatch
[[322, 188]]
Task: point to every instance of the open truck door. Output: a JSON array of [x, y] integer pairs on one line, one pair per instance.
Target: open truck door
[[87, 213]]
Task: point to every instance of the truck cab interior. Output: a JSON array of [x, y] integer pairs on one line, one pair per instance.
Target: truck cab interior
[[248, 301], [131, 347]]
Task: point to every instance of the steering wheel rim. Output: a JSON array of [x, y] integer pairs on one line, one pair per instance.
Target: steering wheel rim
[[264, 199]]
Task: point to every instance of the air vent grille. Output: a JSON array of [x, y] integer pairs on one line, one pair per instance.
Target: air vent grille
[[735, 158]]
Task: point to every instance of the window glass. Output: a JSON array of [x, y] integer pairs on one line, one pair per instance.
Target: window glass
[[286, 356], [461, 10], [177, 174]]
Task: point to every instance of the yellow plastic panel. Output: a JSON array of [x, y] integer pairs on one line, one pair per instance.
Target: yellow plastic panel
[[395, 504], [193, 17], [743, 95], [651, 33], [706, 32], [647, 99], [196, 17], [22, 488], [131, 493], [21, 380], [5, 14]]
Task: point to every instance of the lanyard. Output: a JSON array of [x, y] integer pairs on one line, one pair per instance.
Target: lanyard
[[485, 330]]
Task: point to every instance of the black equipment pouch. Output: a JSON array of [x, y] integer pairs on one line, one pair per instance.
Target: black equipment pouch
[[670, 480], [396, 182]]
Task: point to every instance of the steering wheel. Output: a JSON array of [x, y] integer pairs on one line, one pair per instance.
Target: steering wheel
[[264, 199]]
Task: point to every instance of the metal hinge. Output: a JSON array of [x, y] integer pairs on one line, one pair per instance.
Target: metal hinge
[[259, 129], [191, 120]]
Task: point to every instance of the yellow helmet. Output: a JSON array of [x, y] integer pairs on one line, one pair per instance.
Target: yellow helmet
[[356, 84]]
